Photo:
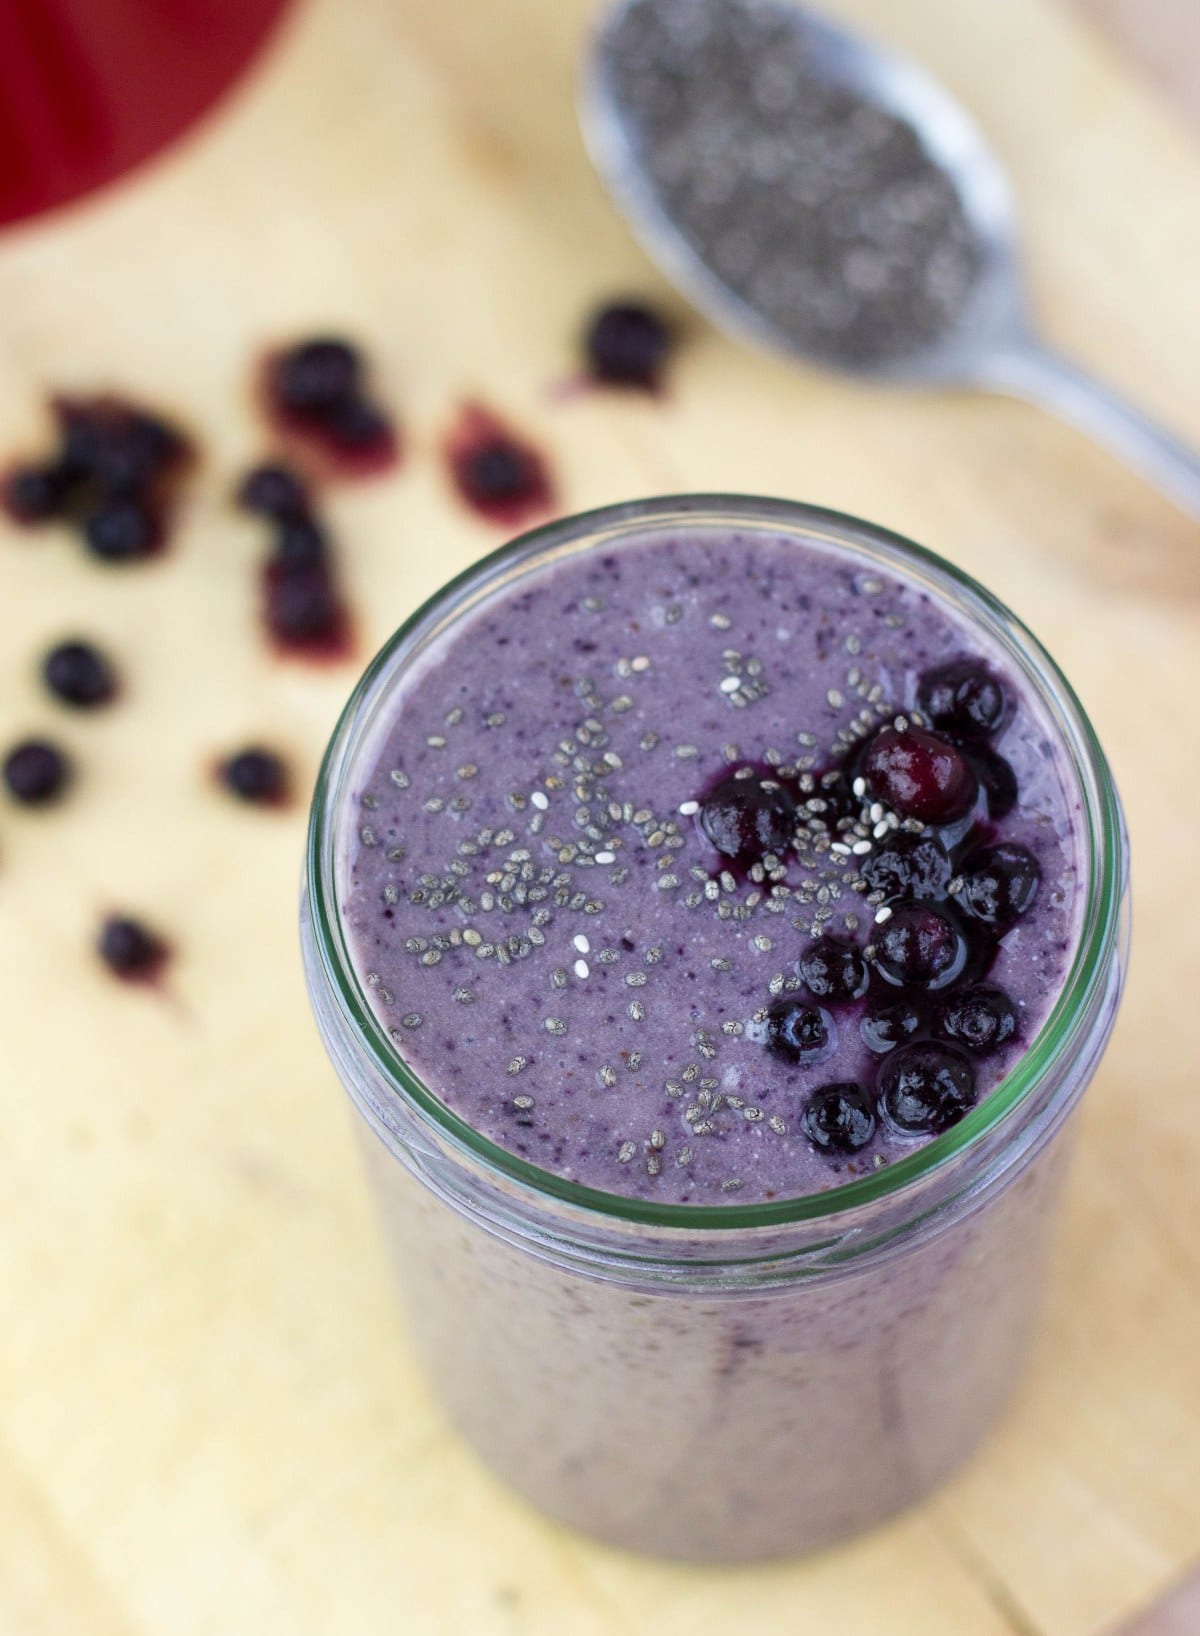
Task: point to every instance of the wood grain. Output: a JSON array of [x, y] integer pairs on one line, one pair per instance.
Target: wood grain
[[209, 1419]]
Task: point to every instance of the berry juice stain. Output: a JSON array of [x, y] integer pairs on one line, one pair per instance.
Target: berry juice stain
[[499, 474]]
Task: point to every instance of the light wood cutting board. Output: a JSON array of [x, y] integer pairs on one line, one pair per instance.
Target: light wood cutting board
[[209, 1418]]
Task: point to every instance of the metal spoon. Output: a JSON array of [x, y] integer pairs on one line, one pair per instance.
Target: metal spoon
[[653, 60]]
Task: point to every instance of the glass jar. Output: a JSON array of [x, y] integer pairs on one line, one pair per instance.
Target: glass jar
[[734, 1381]]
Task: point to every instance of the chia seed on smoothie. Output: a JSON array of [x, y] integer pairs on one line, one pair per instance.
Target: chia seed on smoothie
[[639, 890]]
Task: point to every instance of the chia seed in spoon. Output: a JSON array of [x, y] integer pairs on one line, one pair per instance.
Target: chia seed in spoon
[[812, 204]]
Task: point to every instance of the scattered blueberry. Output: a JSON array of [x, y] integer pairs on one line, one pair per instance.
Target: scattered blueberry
[[921, 946], [494, 470], [1000, 882], [797, 1032], [79, 674], [833, 970], [118, 448], [36, 772], [839, 1117], [358, 426], [886, 1026], [908, 866], [35, 493], [128, 948], [980, 1019], [303, 607], [919, 775], [301, 543], [964, 699], [499, 470], [121, 531], [274, 491], [746, 817], [256, 775], [925, 1088], [316, 376], [627, 345]]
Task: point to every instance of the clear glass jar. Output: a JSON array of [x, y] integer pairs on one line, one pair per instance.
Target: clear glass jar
[[737, 1381]]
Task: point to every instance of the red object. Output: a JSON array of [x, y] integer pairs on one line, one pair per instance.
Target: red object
[[89, 88]]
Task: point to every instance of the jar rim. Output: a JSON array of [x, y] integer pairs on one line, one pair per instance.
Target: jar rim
[[1102, 886]]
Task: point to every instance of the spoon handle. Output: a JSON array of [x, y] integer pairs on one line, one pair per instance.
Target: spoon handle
[[1027, 369]]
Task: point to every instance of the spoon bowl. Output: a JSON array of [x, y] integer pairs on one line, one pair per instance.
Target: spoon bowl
[[987, 341]]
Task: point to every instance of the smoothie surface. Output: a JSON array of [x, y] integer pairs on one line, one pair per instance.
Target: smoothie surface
[[625, 963]]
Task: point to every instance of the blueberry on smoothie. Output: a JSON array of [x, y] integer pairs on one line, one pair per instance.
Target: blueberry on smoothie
[[919, 774], [839, 1117], [921, 946], [980, 1019], [748, 817], [834, 970], [1000, 883], [925, 1088], [799, 1033]]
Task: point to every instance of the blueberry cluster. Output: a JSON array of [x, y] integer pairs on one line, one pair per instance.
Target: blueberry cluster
[[946, 888], [302, 603], [318, 389], [112, 476]]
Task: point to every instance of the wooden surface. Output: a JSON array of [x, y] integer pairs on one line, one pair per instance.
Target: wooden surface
[[1162, 37], [209, 1419]]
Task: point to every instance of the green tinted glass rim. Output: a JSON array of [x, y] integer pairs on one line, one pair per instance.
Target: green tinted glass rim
[[1088, 975]]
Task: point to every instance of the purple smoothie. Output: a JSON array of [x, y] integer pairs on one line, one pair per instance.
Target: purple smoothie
[[533, 886], [536, 905]]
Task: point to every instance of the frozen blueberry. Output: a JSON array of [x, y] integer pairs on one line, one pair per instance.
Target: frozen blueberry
[[301, 543], [79, 674], [996, 779], [839, 1117], [256, 775], [886, 1026], [746, 816], [797, 1032], [498, 470], [303, 606], [627, 345], [833, 970], [925, 1088], [919, 775], [35, 493], [128, 948], [920, 946], [316, 376], [36, 772], [980, 1019], [908, 866], [1000, 883], [358, 426], [964, 699], [122, 530], [274, 491], [122, 450]]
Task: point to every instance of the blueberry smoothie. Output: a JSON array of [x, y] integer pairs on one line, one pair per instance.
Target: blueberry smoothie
[[715, 911], [713, 868]]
